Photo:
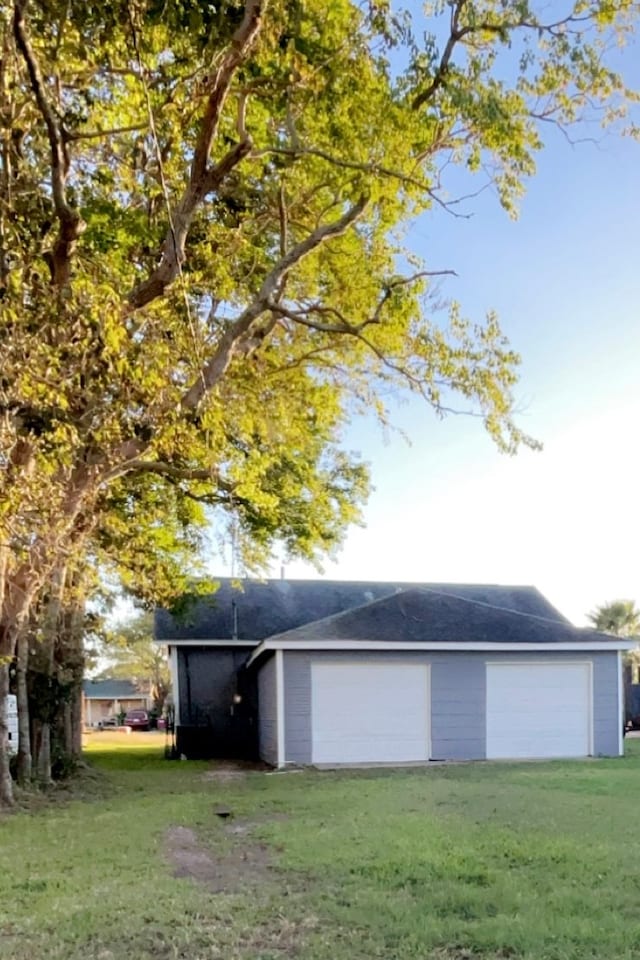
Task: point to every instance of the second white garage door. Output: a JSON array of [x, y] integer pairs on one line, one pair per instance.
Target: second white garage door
[[538, 710], [372, 712]]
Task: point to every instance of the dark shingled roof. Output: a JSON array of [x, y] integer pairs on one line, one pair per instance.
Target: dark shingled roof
[[110, 689], [265, 608], [433, 616]]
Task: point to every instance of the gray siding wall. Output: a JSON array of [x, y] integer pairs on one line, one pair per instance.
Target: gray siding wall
[[458, 698], [607, 714], [297, 705], [268, 713], [458, 706]]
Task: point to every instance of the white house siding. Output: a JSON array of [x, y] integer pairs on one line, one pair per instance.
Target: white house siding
[[98, 709], [458, 699], [133, 703]]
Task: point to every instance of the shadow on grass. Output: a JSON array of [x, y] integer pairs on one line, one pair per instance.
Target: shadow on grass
[[132, 759], [137, 765]]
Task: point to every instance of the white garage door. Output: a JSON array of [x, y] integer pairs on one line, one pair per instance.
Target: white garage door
[[538, 710], [369, 712]]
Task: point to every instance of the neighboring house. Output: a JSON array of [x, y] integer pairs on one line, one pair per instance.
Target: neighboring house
[[632, 694], [320, 672], [107, 698]]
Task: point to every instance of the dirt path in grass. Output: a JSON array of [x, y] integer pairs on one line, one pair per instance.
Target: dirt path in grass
[[246, 863], [224, 772]]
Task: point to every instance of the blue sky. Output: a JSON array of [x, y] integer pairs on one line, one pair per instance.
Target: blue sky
[[565, 280]]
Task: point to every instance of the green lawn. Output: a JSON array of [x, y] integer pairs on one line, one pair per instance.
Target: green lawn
[[447, 863]]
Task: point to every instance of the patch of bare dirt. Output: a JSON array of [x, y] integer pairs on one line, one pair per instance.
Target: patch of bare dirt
[[246, 864], [280, 937], [453, 953], [227, 771]]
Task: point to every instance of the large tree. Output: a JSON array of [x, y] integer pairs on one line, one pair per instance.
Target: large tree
[[201, 264], [149, 543]]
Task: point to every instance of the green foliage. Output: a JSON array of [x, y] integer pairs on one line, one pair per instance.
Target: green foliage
[[47, 694], [132, 654], [150, 540], [202, 269], [621, 618]]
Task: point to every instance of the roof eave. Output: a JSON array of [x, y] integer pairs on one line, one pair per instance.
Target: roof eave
[[207, 642], [595, 646], [117, 696]]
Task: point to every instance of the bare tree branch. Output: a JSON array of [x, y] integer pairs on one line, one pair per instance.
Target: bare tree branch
[[426, 389], [284, 225], [173, 470], [170, 470], [356, 330], [344, 325], [208, 499], [375, 169], [302, 317], [445, 59], [458, 33], [230, 342], [218, 85], [71, 223], [245, 333], [70, 135], [404, 281], [178, 475], [204, 179]]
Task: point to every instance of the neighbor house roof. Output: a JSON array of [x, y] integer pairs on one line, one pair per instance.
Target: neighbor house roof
[[425, 614], [111, 690], [259, 609]]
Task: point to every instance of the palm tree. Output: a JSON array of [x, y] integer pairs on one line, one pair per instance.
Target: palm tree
[[621, 618]]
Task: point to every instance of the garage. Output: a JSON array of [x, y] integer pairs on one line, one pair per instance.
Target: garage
[[425, 675], [369, 712], [539, 709]]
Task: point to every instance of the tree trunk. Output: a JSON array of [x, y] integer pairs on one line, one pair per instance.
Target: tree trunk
[[43, 765], [6, 786], [68, 670], [76, 658], [67, 730], [24, 733], [19, 589], [8, 634], [59, 679], [77, 723], [6, 783], [46, 653]]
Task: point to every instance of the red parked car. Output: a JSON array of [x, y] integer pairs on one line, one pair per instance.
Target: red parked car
[[138, 719]]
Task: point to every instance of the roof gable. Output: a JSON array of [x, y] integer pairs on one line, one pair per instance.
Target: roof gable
[[260, 609], [428, 615]]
